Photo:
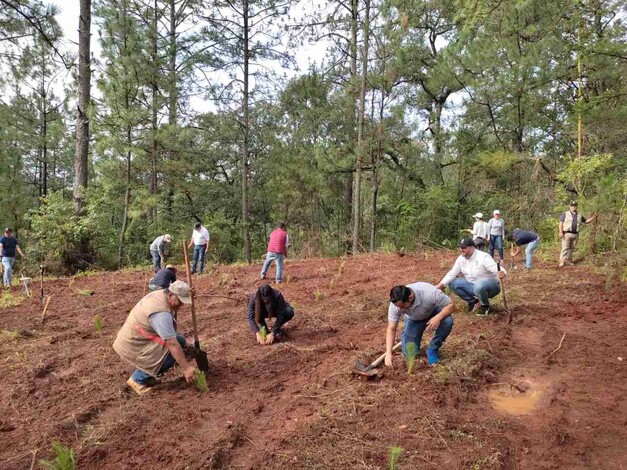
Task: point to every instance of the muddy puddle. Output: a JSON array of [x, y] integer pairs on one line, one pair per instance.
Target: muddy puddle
[[518, 397]]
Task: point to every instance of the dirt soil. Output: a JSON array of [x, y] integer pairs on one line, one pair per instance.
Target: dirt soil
[[504, 395]]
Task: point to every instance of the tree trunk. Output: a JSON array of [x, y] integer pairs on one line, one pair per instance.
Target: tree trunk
[[245, 227], [152, 187], [127, 202], [360, 131], [81, 154]]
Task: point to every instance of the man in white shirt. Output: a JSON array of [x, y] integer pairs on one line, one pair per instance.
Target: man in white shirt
[[200, 240], [481, 277]]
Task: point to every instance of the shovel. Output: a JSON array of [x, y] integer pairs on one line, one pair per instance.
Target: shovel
[[370, 371], [41, 295], [201, 356], [504, 297]]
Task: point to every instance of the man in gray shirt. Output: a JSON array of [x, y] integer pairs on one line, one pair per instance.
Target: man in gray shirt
[[424, 308]]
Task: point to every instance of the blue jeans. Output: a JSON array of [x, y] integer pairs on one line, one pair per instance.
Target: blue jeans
[[412, 333], [531, 247], [142, 377], [496, 241], [156, 260], [199, 252], [483, 289], [8, 263], [278, 259]]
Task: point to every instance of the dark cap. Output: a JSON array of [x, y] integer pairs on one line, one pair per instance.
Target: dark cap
[[466, 242], [572, 203], [8, 229], [197, 225]]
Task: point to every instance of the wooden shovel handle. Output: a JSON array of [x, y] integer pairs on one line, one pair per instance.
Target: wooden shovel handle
[[381, 358], [189, 282]]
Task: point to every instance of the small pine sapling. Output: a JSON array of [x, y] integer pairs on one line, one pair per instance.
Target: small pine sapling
[[200, 380], [64, 458], [263, 331], [97, 322], [412, 354], [394, 457], [317, 294]]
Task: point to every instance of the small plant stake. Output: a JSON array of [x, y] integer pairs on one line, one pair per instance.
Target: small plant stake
[[411, 357], [43, 314]]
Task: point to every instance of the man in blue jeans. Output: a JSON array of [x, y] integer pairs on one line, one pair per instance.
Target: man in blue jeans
[[525, 237], [149, 341], [424, 308], [8, 247], [496, 233], [200, 241], [480, 280]]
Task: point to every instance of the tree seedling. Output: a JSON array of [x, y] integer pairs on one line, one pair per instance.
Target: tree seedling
[[64, 458], [200, 381], [224, 279], [263, 331], [317, 294], [412, 355], [84, 292], [394, 457], [97, 322]]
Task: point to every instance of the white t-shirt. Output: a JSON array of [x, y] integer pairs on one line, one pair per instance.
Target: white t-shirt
[[480, 229], [200, 237], [479, 266]]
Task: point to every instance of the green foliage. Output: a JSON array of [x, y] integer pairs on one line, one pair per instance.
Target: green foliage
[[412, 356], [8, 299], [98, 323], [394, 457], [263, 331], [64, 458], [200, 381]]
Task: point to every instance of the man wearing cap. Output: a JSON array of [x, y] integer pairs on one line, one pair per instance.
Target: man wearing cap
[[525, 237], [479, 231], [163, 278], [480, 280], [569, 225], [200, 241], [424, 308], [148, 338], [8, 247], [157, 249], [496, 233]]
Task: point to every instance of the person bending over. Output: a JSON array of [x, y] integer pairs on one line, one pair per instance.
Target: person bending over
[[264, 304]]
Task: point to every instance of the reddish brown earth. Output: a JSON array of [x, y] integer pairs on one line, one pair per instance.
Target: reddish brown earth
[[296, 404]]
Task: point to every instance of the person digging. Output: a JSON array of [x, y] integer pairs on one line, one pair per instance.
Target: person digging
[[266, 303], [149, 341], [480, 280], [424, 308]]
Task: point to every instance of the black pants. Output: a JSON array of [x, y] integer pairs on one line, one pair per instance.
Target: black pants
[[281, 319]]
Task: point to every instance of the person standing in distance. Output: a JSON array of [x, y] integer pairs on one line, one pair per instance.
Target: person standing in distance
[[277, 251], [200, 241], [8, 247]]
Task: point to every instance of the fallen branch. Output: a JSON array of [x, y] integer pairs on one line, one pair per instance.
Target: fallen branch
[[558, 346]]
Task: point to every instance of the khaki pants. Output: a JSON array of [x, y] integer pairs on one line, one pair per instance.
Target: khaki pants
[[569, 243]]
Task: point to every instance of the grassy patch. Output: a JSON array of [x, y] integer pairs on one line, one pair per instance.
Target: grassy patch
[[8, 336], [7, 299], [64, 458]]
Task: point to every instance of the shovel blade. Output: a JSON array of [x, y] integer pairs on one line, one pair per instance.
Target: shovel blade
[[201, 360]]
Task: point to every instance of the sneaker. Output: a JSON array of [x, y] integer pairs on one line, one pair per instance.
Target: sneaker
[[138, 388], [472, 305], [432, 357], [483, 310]]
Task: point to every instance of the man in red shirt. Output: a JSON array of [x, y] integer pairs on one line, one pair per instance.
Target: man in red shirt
[[277, 251]]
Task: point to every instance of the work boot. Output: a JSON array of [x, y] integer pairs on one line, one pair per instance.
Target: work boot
[[138, 388], [432, 357], [472, 304]]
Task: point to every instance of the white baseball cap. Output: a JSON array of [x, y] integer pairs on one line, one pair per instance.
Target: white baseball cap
[[496, 212], [478, 215]]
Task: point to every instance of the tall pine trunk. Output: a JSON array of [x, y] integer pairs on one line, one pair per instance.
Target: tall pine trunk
[[245, 151], [82, 119]]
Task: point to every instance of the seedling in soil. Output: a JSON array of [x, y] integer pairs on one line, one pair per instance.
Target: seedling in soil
[[331, 284], [341, 268], [317, 294], [412, 355], [97, 323], [85, 292], [263, 331], [395, 456], [224, 279], [64, 458], [200, 381]]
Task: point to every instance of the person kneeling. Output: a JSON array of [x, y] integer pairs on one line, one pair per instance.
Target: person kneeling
[[481, 277], [424, 308], [149, 341], [163, 278], [264, 304]]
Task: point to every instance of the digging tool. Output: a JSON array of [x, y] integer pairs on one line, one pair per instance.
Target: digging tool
[[201, 356], [504, 296], [41, 294], [370, 370]]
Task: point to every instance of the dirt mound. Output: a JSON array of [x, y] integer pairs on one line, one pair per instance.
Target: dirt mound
[[504, 396]]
